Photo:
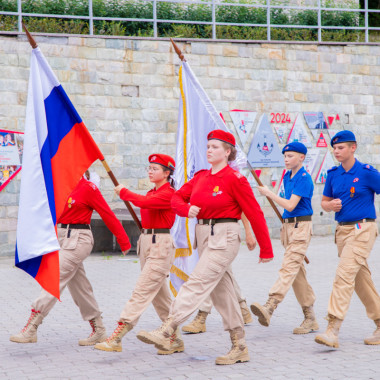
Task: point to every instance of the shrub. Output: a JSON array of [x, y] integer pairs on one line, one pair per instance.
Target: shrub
[[8, 23], [140, 9]]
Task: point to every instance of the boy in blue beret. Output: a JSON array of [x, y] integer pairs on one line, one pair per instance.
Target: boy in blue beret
[[296, 233], [350, 192]]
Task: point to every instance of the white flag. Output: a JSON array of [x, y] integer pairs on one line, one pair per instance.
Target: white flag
[[196, 119]]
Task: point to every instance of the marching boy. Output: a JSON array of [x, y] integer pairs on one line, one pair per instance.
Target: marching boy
[[296, 233], [350, 192]]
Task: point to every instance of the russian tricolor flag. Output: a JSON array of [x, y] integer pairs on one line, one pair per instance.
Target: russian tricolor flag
[[58, 149]]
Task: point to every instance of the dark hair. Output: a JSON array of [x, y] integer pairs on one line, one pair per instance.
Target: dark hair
[[232, 155], [171, 171], [170, 180]]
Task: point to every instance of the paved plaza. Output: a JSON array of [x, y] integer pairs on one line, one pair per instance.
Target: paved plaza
[[275, 352]]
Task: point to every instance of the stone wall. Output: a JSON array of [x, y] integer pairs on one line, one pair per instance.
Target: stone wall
[[127, 93]]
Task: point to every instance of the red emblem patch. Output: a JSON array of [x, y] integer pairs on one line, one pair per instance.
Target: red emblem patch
[[356, 180], [238, 174]]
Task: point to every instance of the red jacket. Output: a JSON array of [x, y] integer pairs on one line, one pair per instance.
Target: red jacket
[[225, 194], [156, 210], [83, 200]]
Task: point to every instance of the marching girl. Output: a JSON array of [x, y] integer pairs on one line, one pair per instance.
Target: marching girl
[[76, 241], [216, 197], [156, 250]]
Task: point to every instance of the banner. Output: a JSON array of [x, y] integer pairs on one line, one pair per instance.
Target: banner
[[197, 117], [321, 141], [311, 160], [11, 149], [327, 164], [57, 151], [264, 150], [298, 133], [243, 122], [281, 132], [315, 120]]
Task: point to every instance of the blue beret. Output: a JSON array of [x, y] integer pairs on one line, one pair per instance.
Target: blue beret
[[343, 136], [295, 146]]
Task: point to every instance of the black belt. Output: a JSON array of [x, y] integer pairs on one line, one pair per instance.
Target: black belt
[[76, 226], [153, 231], [357, 221], [305, 218], [220, 220]]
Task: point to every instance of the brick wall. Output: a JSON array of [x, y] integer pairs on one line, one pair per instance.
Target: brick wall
[[127, 93]]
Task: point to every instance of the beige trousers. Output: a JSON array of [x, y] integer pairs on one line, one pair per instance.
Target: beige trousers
[[212, 276], [207, 305], [354, 247], [74, 250], [156, 260], [292, 272]]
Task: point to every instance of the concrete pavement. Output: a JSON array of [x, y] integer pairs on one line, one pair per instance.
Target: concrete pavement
[[275, 352]]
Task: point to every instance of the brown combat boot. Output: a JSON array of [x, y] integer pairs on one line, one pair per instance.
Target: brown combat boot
[[246, 314], [375, 337], [238, 352], [162, 337], [113, 343], [265, 312], [330, 337], [309, 324], [198, 325], [29, 333], [177, 344], [98, 333]]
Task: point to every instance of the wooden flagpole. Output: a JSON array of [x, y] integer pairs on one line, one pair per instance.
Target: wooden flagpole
[[34, 45], [182, 58]]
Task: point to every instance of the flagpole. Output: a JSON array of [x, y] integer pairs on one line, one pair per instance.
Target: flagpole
[[34, 45], [182, 58]]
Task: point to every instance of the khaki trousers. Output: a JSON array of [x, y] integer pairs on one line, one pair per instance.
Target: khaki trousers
[[156, 260], [74, 250], [212, 276], [354, 247], [293, 272], [207, 305]]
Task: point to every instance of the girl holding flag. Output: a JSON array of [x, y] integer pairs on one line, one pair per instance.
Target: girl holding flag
[[76, 241], [216, 197], [156, 250]]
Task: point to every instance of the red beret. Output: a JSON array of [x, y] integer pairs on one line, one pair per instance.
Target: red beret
[[162, 159], [219, 134]]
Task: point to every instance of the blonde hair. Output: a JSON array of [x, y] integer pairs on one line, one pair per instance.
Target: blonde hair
[[232, 155]]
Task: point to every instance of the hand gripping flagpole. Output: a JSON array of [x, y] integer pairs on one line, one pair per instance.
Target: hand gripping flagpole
[[182, 58], [34, 45]]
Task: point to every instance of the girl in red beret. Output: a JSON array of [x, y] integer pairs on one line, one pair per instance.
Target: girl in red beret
[[216, 197], [156, 249]]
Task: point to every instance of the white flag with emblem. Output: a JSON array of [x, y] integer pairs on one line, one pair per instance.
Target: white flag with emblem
[[197, 117]]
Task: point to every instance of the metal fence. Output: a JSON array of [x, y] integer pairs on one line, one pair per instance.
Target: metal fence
[[268, 7]]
